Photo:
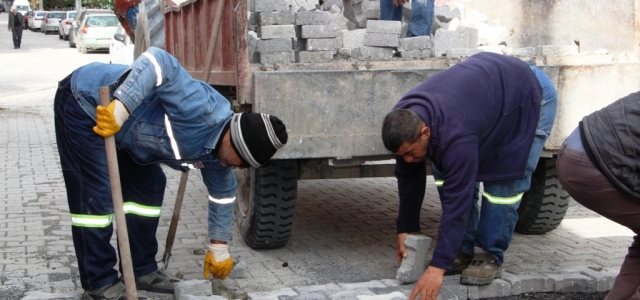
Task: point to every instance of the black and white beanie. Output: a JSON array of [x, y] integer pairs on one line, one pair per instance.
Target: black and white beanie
[[257, 137]]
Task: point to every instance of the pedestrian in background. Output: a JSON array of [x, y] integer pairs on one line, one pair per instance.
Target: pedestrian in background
[[598, 166], [421, 15], [16, 24]]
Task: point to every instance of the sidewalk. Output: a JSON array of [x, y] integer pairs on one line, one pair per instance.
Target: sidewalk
[[342, 243]]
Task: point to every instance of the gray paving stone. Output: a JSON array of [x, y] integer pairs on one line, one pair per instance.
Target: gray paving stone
[[526, 283], [498, 288], [604, 278], [352, 38], [270, 5], [192, 287], [391, 296], [415, 263], [277, 31], [239, 270], [316, 288], [414, 43], [274, 18], [347, 294], [372, 53], [362, 285], [318, 31], [322, 44], [35, 295], [381, 39], [277, 57], [312, 57], [271, 294], [313, 18], [392, 282], [452, 284], [570, 283], [274, 45], [390, 289], [379, 26]]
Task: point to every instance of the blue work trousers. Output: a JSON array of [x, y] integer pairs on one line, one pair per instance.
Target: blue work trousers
[[491, 227], [421, 15], [84, 167]]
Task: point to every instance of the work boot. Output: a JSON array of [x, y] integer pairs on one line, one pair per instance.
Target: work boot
[[115, 291], [482, 270], [461, 262], [156, 282]]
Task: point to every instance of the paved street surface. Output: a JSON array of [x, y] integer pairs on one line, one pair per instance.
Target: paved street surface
[[344, 230]]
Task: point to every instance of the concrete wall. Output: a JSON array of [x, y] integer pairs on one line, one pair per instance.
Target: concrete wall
[[596, 25]]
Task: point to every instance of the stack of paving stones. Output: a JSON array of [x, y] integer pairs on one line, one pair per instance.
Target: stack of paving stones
[[511, 284], [366, 10]]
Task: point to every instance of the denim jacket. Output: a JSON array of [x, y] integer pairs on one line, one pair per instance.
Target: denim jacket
[[173, 118]]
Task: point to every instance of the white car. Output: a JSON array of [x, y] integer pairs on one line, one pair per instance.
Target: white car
[[51, 21], [96, 31], [121, 48], [35, 22], [65, 24]]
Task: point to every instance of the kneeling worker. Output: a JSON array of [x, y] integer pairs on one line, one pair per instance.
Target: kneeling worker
[[158, 113], [483, 120]]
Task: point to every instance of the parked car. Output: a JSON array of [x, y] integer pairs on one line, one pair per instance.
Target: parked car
[[96, 32], [65, 25], [36, 21], [121, 48], [28, 16], [77, 19], [51, 21]]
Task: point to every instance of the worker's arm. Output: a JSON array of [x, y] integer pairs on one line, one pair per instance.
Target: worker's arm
[[459, 167], [183, 97], [222, 187], [412, 180]]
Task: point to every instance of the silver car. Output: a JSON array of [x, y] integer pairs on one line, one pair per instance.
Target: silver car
[[65, 24], [77, 19], [51, 21], [95, 32], [36, 20]]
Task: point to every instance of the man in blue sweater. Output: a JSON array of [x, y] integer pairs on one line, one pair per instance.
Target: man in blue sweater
[[483, 120]]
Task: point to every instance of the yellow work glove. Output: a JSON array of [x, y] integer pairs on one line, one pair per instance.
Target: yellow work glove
[[217, 262], [109, 119]]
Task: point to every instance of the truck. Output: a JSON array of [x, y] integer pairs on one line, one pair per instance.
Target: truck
[[333, 107]]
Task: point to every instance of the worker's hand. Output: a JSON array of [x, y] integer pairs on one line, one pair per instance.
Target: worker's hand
[[401, 251], [217, 262], [429, 284], [397, 3], [109, 119]]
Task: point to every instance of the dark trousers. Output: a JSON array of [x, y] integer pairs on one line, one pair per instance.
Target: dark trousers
[[589, 187], [17, 36], [84, 167]]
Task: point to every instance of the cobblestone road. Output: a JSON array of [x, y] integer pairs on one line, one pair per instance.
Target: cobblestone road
[[344, 230]]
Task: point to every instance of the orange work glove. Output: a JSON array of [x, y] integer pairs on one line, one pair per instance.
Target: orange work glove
[[217, 262], [109, 119]]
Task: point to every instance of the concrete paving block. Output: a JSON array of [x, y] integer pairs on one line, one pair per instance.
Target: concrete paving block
[[274, 18], [390, 289], [275, 45], [372, 13], [353, 38], [239, 270], [309, 296], [347, 294], [313, 18], [446, 294], [498, 288], [36, 295], [314, 56], [391, 296], [469, 36], [527, 283], [461, 53], [192, 297], [192, 287], [318, 31], [252, 38], [340, 22], [322, 44], [335, 10], [277, 31], [526, 51], [416, 54], [377, 26], [452, 284], [604, 278], [278, 57], [381, 39], [415, 263], [557, 50], [414, 43], [271, 295], [316, 288], [391, 282], [463, 37], [572, 282], [372, 53], [362, 285], [270, 5]]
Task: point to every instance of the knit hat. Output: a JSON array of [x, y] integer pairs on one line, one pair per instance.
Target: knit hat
[[256, 137]]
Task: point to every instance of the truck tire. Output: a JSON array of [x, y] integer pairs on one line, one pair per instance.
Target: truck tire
[[265, 203], [545, 204]]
